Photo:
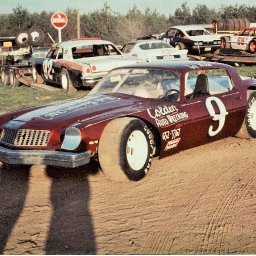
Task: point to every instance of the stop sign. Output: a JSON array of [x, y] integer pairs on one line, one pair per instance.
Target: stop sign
[[59, 20]]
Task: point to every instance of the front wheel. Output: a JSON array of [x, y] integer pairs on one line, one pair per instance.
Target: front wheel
[[248, 129], [126, 149]]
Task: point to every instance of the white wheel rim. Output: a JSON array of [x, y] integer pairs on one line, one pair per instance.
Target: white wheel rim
[[22, 37], [137, 150], [35, 35], [64, 82], [252, 115], [34, 74]]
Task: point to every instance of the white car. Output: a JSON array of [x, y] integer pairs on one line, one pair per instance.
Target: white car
[[192, 37], [77, 63], [153, 50], [245, 40]]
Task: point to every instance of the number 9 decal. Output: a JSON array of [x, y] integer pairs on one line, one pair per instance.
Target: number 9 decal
[[221, 117]]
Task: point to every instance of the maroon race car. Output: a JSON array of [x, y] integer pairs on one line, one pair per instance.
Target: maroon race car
[[133, 114]]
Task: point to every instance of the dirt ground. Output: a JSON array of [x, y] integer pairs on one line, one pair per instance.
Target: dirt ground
[[199, 201]]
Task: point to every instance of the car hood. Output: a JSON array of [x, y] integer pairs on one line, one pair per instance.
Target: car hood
[[205, 38], [84, 110]]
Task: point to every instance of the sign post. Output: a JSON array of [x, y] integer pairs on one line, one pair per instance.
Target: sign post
[[59, 20]]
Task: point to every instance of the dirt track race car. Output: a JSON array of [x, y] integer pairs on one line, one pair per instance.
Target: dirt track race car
[[133, 114], [77, 63], [244, 40], [152, 50], [192, 37]]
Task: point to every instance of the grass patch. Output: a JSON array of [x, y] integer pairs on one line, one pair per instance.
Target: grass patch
[[12, 98]]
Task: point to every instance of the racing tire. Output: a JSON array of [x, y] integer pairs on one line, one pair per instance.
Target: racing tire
[[252, 46], [248, 129], [126, 149], [38, 79], [66, 82], [180, 46], [14, 81], [23, 39], [37, 37]]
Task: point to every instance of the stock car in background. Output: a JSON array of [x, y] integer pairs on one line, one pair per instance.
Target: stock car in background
[[192, 37], [153, 50], [77, 63], [245, 40], [133, 114]]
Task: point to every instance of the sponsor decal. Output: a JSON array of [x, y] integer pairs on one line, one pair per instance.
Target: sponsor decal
[[162, 111], [166, 115], [173, 134], [177, 117], [172, 144]]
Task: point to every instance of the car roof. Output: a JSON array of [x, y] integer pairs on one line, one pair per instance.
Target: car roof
[[77, 43], [187, 27], [146, 41], [179, 65]]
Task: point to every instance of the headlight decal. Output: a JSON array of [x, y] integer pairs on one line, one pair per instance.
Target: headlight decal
[[72, 139]]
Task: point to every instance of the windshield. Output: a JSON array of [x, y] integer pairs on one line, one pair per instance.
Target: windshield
[[141, 82]]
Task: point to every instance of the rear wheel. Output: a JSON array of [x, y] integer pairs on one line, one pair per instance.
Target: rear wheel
[[248, 129], [252, 46], [180, 46], [126, 149], [66, 83]]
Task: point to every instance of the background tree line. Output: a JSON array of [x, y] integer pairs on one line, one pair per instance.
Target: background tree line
[[115, 27]]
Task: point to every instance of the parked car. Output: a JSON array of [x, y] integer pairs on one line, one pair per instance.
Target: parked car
[[192, 37], [133, 114], [245, 40], [153, 50], [77, 63]]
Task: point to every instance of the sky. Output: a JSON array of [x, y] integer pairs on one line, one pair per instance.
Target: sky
[[165, 7]]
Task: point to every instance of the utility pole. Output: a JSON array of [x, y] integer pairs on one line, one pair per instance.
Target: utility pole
[[78, 21]]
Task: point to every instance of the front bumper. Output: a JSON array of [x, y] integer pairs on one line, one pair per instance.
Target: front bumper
[[206, 47], [45, 157]]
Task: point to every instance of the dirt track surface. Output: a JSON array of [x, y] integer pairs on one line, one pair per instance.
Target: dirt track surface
[[202, 200]]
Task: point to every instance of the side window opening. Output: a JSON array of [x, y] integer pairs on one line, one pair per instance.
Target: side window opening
[[201, 83]]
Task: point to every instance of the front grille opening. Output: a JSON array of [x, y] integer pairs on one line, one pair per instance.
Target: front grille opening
[[25, 137]]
